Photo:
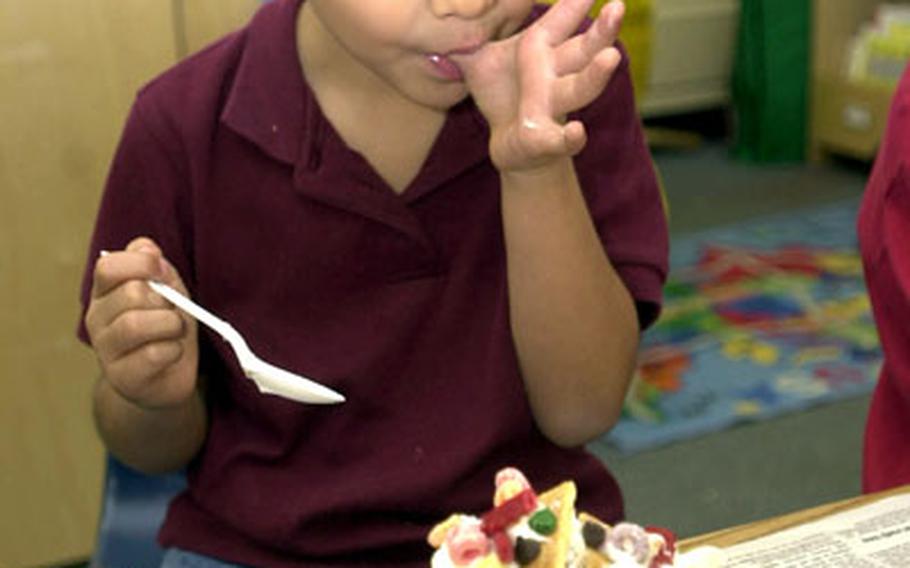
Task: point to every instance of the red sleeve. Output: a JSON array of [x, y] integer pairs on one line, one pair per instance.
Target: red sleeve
[[883, 228], [896, 229], [617, 175], [145, 195]]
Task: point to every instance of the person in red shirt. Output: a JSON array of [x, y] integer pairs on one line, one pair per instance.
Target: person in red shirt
[[883, 227], [443, 209]]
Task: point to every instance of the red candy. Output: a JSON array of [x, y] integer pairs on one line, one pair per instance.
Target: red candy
[[510, 474], [669, 536], [666, 553], [509, 483], [466, 542], [503, 546], [509, 512]]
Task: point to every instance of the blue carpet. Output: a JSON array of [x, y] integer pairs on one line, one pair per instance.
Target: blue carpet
[[760, 318]]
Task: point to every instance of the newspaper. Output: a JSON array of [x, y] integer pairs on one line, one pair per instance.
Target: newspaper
[[876, 535]]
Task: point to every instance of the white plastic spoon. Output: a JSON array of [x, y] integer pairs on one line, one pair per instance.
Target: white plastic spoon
[[268, 378]]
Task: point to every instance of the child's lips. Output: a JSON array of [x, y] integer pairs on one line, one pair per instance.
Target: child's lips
[[445, 68], [446, 65], [467, 50]]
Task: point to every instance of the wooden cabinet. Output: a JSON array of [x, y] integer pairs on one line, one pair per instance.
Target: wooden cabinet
[[691, 55], [69, 71], [688, 47], [845, 118]]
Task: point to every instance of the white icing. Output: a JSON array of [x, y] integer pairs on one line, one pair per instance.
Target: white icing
[[702, 557], [576, 553]]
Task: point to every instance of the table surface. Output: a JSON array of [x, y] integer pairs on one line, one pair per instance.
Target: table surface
[[757, 529]]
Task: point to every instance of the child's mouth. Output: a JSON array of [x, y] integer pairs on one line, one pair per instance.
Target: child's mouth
[[446, 64], [445, 68]]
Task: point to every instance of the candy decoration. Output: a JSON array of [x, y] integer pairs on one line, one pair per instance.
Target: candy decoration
[[503, 546], [662, 558], [438, 535], [466, 543], [506, 491], [629, 540], [667, 549], [668, 535], [527, 530], [543, 522], [509, 512], [526, 550], [509, 483], [593, 534], [487, 562], [511, 474]]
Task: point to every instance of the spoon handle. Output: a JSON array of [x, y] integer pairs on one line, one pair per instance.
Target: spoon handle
[[208, 318], [223, 328]]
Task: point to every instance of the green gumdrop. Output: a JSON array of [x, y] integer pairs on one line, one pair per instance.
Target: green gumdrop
[[543, 522]]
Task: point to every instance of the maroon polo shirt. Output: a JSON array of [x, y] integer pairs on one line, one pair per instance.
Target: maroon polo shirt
[[399, 301], [884, 234]]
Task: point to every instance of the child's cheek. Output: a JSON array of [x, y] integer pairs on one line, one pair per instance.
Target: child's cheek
[[517, 13]]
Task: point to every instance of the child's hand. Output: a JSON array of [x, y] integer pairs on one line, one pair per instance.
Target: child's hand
[[527, 84], [148, 351]]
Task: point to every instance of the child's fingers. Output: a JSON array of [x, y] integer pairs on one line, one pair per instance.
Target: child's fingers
[[138, 261], [135, 375], [146, 246], [135, 328], [143, 244], [533, 143], [166, 272], [131, 295], [121, 297], [575, 91], [553, 140], [574, 138], [577, 52], [119, 285], [562, 20]]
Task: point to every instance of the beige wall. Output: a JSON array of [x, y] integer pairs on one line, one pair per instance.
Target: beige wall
[[68, 71]]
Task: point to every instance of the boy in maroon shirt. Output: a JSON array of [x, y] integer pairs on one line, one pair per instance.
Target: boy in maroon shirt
[[884, 235], [443, 209]]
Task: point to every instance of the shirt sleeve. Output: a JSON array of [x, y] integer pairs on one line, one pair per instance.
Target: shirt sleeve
[[883, 228], [146, 194], [896, 229], [623, 194], [888, 278]]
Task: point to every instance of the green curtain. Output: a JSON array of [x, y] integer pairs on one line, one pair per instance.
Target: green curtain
[[770, 80]]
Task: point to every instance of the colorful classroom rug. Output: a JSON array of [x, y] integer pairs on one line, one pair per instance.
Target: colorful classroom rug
[[762, 318]]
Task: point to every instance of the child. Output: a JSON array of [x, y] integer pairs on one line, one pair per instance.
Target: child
[[884, 233], [443, 209]]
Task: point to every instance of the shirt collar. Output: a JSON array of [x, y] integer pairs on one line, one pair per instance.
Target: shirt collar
[[269, 102]]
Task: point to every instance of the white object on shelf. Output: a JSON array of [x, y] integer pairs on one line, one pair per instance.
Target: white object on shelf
[[857, 117], [692, 47]]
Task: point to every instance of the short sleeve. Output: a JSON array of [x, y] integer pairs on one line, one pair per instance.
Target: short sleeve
[[883, 228], [621, 187], [146, 194], [896, 228], [884, 222]]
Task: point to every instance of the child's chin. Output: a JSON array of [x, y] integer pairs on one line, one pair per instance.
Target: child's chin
[[442, 97]]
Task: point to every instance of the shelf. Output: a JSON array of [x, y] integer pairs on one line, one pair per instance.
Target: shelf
[[846, 118], [691, 56]]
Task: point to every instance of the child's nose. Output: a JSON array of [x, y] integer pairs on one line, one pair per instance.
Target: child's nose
[[461, 8]]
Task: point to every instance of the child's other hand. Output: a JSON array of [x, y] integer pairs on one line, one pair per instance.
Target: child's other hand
[[147, 349], [527, 84]]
